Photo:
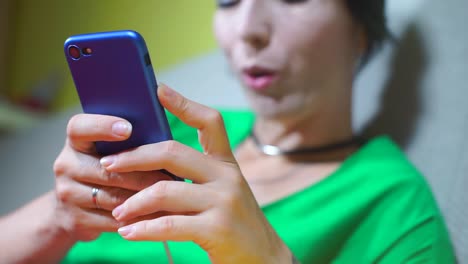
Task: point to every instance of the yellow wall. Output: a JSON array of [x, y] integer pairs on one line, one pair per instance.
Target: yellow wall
[[174, 30]]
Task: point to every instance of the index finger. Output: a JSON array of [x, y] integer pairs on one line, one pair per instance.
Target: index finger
[[208, 121], [84, 129]]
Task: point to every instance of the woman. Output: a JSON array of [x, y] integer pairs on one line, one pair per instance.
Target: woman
[[300, 187]]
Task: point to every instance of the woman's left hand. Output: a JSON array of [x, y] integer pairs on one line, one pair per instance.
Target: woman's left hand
[[218, 211]]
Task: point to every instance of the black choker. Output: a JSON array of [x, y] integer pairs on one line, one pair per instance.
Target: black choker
[[271, 150]]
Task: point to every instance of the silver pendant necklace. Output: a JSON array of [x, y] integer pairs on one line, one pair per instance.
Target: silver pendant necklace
[[271, 150]]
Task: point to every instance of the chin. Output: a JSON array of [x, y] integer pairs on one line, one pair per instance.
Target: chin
[[274, 108]]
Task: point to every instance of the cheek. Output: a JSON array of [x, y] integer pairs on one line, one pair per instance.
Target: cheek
[[320, 43], [221, 31]]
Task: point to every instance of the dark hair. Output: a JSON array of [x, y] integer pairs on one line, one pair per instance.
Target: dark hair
[[371, 15]]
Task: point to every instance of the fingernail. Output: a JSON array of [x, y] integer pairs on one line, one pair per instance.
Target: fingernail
[[167, 92], [107, 161], [117, 211], [121, 128], [126, 231]]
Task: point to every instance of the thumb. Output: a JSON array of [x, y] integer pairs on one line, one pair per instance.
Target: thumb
[[208, 121]]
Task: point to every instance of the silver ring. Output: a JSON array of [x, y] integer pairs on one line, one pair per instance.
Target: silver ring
[[94, 197]]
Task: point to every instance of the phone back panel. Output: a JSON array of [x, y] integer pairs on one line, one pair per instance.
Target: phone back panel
[[117, 79]]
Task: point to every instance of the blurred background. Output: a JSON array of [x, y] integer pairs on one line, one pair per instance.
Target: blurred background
[[33, 71], [415, 89]]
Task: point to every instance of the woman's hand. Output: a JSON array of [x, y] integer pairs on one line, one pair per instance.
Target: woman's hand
[[218, 211], [78, 171]]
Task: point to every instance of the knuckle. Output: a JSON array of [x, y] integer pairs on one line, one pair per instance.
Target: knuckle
[[233, 175], [71, 224], [237, 182], [60, 167], [79, 124], [109, 177], [172, 147], [230, 200], [77, 223], [72, 125], [102, 124], [214, 116], [143, 228], [167, 225], [141, 182], [63, 192], [88, 236], [183, 105], [106, 176], [98, 125], [118, 197], [230, 172], [222, 225], [159, 191]]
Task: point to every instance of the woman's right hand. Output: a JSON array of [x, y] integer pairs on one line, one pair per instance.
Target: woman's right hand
[[78, 171]]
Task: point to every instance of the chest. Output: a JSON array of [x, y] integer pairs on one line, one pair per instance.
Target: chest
[[272, 182]]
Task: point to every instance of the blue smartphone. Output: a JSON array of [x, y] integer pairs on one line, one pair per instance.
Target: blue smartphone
[[113, 75]]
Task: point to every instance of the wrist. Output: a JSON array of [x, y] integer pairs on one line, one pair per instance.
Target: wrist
[[294, 260], [36, 230], [279, 251], [53, 226], [287, 257], [283, 255], [50, 230]]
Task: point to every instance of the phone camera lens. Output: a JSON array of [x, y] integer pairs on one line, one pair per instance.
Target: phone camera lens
[[87, 51], [74, 52]]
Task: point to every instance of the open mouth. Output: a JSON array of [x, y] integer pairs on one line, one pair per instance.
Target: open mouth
[[258, 78]]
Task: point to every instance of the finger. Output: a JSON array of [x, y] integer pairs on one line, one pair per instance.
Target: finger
[[84, 129], [174, 228], [133, 181], [85, 222], [83, 196], [171, 196], [172, 156], [208, 121], [96, 220], [87, 169], [148, 217], [106, 198]]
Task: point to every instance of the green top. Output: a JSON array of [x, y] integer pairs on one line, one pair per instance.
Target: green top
[[376, 208]]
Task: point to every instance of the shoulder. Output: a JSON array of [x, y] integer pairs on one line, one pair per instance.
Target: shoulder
[[382, 164], [401, 218], [389, 183]]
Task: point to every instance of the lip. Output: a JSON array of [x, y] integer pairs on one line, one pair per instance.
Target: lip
[[259, 78]]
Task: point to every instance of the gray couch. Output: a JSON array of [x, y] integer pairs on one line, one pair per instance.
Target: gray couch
[[415, 90]]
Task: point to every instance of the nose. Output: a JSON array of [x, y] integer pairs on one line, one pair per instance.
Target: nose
[[255, 24]]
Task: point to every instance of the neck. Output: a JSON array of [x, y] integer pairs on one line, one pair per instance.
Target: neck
[[305, 129]]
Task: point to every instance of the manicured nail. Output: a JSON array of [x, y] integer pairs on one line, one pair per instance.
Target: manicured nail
[[117, 211], [107, 161], [121, 128], [126, 231]]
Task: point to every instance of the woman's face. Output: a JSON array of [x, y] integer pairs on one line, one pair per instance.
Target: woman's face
[[292, 56]]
